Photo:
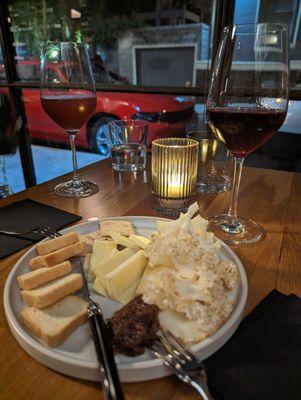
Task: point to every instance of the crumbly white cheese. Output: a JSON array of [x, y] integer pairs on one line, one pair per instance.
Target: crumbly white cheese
[[188, 275]]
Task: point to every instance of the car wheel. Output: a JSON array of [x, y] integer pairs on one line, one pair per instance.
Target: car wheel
[[97, 136]]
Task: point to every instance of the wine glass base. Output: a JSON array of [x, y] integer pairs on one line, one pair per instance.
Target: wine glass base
[[235, 230], [79, 190]]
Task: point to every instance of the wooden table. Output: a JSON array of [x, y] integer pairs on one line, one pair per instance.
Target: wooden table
[[271, 198]]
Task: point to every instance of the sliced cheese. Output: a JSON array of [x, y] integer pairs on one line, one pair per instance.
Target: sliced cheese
[[140, 241], [125, 275], [101, 251], [108, 265], [99, 287], [123, 240], [125, 228], [129, 294]]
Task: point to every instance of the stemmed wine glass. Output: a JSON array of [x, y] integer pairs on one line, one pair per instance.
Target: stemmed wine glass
[[247, 104], [69, 99]]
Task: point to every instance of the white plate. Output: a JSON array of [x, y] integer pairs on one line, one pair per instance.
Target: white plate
[[76, 356]]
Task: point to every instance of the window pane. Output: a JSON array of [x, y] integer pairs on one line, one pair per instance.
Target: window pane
[[11, 176], [283, 151], [152, 43], [155, 44]]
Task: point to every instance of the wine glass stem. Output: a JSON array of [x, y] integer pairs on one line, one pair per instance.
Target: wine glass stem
[[75, 179], [238, 163]]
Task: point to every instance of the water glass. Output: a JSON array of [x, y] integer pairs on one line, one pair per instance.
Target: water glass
[[128, 140], [214, 166]]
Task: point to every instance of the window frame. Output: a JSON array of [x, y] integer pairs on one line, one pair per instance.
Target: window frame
[[222, 14]]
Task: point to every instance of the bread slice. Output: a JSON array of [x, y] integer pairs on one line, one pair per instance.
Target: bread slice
[[57, 256], [52, 291], [36, 278], [125, 228], [55, 323], [57, 243]]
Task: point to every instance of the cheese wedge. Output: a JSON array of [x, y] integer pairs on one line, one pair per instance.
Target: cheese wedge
[[101, 251], [129, 294], [123, 240], [99, 287], [102, 268], [140, 241], [125, 275], [125, 228]]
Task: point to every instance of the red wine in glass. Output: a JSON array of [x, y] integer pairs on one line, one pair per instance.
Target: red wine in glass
[[70, 100], [70, 110], [246, 105], [244, 130]]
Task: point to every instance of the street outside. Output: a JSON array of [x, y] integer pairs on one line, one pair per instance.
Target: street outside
[[49, 163]]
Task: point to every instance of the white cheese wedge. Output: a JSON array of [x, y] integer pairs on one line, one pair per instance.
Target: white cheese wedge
[[99, 287], [101, 251], [102, 268], [177, 323], [125, 275], [123, 240], [140, 241], [129, 294]]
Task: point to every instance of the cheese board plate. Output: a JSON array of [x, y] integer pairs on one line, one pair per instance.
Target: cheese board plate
[[76, 356]]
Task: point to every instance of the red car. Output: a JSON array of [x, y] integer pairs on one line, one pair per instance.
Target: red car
[[167, 115]]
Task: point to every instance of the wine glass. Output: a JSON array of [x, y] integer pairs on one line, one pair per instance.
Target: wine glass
[[69, 98], [246, 105]]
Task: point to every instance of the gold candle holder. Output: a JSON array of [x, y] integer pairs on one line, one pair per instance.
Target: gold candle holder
[[174, 173]]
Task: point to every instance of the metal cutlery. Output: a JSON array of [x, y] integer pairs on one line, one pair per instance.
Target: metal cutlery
[[44, 231], [110, 380], [184, 364]]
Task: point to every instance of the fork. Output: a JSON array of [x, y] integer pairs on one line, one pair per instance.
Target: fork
[[184, 364], [110, 380], [44, 230]]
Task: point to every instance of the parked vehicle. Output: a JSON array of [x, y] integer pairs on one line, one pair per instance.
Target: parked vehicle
[[167, 115]]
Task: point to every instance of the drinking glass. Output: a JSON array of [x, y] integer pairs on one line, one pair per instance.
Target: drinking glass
[[69, 99], [214, 166], [247, 104], [128, 140]]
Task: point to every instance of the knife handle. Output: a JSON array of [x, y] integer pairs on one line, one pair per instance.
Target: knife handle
[[104, 350]]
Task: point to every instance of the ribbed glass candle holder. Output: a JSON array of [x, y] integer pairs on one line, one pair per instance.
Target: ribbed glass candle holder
[[174, 173]]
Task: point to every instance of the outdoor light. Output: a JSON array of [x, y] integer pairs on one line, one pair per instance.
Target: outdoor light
[[174, 173], [74, 14]]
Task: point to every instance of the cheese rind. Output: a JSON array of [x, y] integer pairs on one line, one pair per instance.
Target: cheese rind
[[125, 275]]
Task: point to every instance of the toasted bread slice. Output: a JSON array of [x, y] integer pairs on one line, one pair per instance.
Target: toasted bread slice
[[51, 292], [57, 256], [55, 323], [57, 243], [36, 278]]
